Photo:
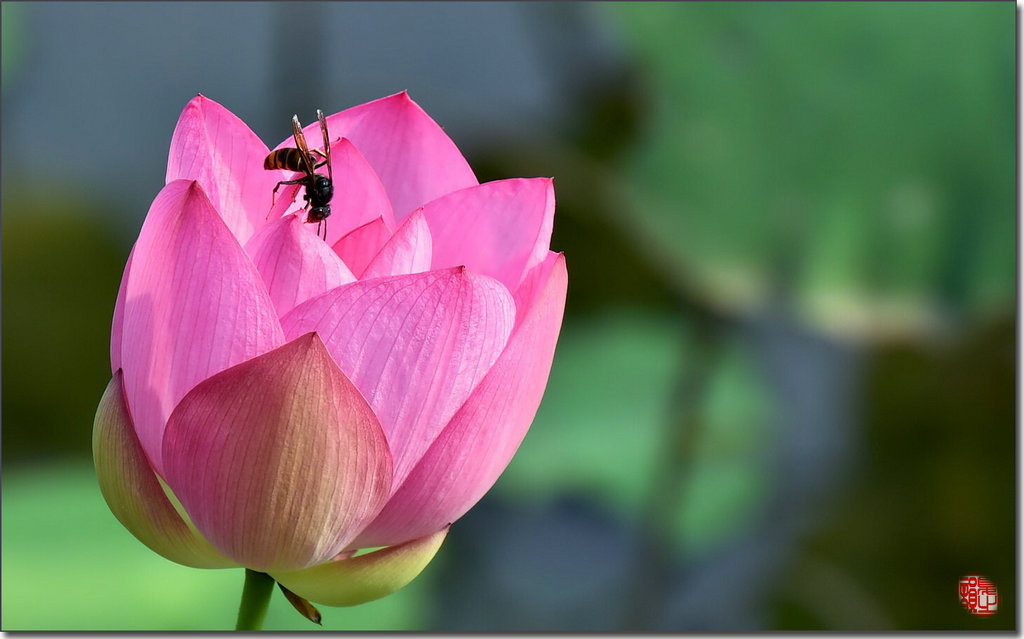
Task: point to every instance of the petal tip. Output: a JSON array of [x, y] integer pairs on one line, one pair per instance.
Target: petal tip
[[403, 100], [309, 342], [194, 189], [194, 199], [402, 97]]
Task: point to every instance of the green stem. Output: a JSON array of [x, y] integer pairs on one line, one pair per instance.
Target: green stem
[[255, 598]]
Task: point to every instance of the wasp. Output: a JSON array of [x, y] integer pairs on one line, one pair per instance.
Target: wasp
[[319, 188]]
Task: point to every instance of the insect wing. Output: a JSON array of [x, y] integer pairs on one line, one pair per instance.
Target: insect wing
[[300, 143], [327, 142]]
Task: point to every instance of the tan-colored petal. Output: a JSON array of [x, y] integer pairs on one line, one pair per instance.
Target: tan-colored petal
[[279, 460], [133, 491]]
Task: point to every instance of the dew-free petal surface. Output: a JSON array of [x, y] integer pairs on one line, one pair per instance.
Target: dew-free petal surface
[[500, 228], [361, 245], [194, 305], [415, 345], [359, 195], [295, 264], [415, 159], [355, 580], [534, 285], [133, 492], [279, 460], [468, 456], [214, 147], [117, 323], [407, 251]]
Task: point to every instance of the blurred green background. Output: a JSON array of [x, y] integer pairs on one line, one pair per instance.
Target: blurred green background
[[784, 393]]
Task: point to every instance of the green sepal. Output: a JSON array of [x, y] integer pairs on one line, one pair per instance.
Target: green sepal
[[352, 580]]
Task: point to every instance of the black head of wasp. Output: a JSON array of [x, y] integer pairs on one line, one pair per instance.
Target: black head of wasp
[[319, 188]]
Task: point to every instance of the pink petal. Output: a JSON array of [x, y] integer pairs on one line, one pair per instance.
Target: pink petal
[[279, 460], [415, 159], [468, 456], [295, 265], [117, 323], [360, 246], [501, 228], [408, 251], [133, 492], [194, 305], [534, 286], [415, 345], [359, 196], [215, 148]]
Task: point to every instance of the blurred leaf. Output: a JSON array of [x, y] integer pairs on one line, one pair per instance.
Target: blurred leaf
[[601, 427], [728, 484], [69, 565], [61, 269], [856, 158]]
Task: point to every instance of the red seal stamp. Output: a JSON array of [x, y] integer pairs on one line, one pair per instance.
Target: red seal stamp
[[978, 595]]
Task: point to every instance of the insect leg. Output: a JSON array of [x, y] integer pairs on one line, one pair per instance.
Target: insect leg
[[273, 195]]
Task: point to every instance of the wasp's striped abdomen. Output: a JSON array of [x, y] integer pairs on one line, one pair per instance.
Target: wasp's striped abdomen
[[289, 159]]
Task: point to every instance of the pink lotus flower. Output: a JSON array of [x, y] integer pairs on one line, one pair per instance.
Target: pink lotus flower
[[279, 401]]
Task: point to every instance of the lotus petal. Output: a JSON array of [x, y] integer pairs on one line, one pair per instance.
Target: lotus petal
[[214, 147], [295, 265], [133, 492], [360, 246], [407, 251], [414, 158], [415, 345], [117, 323], [193, 306], [534, 285], [467, 457], [500, 228], [278, 460]]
